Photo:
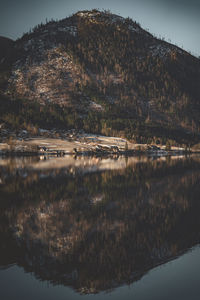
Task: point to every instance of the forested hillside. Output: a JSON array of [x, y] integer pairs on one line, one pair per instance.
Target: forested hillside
[[102, 73]]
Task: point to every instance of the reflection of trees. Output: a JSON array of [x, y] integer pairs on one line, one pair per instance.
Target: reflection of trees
[[147, 214]]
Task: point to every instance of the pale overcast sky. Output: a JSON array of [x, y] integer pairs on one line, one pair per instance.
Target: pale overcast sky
[[177, 20]]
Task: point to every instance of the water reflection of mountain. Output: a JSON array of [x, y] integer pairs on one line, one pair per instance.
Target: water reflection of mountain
[[101, 230]]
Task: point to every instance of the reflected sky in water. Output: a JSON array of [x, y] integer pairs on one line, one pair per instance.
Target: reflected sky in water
[[178, 279]]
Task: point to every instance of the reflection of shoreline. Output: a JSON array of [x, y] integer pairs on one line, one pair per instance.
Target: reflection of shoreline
[[90, 164]]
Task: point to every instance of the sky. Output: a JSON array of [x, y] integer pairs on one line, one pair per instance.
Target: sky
[[178, 21]]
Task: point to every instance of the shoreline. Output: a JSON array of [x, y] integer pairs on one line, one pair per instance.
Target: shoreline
[[128, 153], [82, 144]]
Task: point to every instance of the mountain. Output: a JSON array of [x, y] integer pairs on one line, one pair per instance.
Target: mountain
[[103, 73], [5, 50], [6, 58]]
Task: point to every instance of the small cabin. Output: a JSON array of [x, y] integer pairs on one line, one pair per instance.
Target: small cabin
[[42, 148]]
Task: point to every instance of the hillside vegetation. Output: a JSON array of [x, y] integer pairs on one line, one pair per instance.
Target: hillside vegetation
[[102, 73]]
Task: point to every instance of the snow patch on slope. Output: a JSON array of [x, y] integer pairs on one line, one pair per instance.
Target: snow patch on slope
[[95, 107], [106, 17], [49, 77], [160, 50], [69, 29], [164, 50]]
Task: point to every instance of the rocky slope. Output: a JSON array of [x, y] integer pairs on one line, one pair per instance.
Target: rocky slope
[[98, 63]]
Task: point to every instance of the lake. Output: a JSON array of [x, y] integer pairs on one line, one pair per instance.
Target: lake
[[102, 228]]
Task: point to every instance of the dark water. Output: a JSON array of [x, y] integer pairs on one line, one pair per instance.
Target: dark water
[[100, 228]]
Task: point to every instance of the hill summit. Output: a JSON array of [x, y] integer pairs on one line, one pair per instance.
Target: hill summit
[[105, 74]]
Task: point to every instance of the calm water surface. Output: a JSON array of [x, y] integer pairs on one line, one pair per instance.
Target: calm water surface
[[98, 228]]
